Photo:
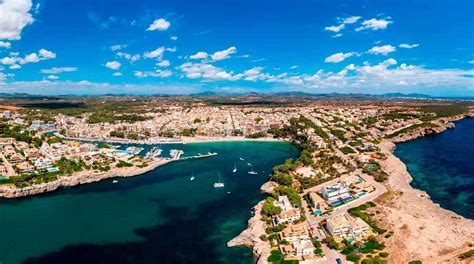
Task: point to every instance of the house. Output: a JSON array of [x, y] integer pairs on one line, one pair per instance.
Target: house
[[284, 203], [344, 226], [294, 232], [319, 204], [25, 167], [335, 191], [287, 217], [7, 141]]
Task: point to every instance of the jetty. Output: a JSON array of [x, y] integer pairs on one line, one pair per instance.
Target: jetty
[[199, 156]]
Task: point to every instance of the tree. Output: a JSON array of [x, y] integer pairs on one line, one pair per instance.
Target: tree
[[269, 208]]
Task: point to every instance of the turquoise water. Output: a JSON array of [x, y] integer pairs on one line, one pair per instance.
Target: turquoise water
[[443, 166], [158, 217]]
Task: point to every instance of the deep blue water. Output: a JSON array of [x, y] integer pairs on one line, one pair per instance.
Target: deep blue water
[[443, 166], [158, 217]]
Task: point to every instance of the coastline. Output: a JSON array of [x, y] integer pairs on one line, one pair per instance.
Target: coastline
[[82, 177], [430, 233], [402, 210]]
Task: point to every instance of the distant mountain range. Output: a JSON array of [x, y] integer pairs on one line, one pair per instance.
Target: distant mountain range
[[27, 96]]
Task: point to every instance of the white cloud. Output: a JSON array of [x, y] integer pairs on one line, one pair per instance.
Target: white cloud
[[15, 67], [32, 57], [5, 44], [223, 54], [117, 47], [338, 57], [294, 67], [164, 63], [9, 60], [52, 77], [335, 28], [117, 74], [129, 57], [385, 49], [374, 24], [57, 70], [199, 55], [173, 49], [157, 53], [408, 46], [471, 62], [114, 65], [351, 20], [337, 35], [160, 24], [157, 73], [46, 54], [174, 38], [14, 16], [207, 71]]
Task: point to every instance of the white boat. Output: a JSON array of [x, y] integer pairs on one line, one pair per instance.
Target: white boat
[[114, 181], [134, 150], [192, 176], [248, 163], [219, 184], [242, 159], [252, 172], [235, 168], [155, 152], [176, 153]]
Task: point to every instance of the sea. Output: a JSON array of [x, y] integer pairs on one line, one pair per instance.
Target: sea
[[159, 217], [443, 166]]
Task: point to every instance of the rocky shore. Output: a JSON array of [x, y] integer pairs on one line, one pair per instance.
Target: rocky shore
[[83, 177], [429, 233], [250, 237]]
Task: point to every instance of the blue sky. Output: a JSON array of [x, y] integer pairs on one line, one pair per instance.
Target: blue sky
[[149, 47]]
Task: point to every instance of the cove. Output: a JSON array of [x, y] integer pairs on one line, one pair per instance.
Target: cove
[[157, 217]]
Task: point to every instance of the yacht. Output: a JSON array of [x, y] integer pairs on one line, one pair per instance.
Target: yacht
[[133, 150], [176, 153], [155, 152], [114, 181], [219, 184], [235, 168], [192, 176], [242, 159], [249, 164], [252, 171]]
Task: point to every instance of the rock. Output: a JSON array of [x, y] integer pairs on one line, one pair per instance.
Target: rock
[[268, 187]]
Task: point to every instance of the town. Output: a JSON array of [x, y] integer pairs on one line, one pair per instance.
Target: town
[[321, 206]]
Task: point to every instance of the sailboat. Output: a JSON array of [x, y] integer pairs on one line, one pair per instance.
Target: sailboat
[[192, 176], [219, 184], [252, 171], [242, 159], [235, 168], [249, 164]]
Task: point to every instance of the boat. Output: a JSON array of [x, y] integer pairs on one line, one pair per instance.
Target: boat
[[134, 150], [242, 159], [192, 176], [252, 172], [155, 152], [176, 153], [219, 184], [235, 168], [248, 163], [114, 181]]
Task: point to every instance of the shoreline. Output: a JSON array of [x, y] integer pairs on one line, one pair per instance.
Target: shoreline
[[399, 181], [432, 234], [82, 177]]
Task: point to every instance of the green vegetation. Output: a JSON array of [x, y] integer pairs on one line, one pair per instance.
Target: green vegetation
[[347, 150], [68, 167], [197, 120], [269, 208], [277, 257], [108, 117], [260, 134], [291, 192], [132, 136], [339, 134], [374, 260], [119, 134], [122, 163], [359, 212], [410, 129], [188, 132], [466, 255], [375, 170], [415, 262]]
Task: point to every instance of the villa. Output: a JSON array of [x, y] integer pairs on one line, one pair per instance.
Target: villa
[[344, 226], [335, 192]]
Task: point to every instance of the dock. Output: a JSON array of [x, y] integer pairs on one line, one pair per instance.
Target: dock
[[199, 156]]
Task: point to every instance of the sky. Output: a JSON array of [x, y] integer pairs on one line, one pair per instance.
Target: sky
[[92, 47]]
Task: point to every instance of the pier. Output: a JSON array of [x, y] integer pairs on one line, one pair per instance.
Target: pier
[[199, 156]]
